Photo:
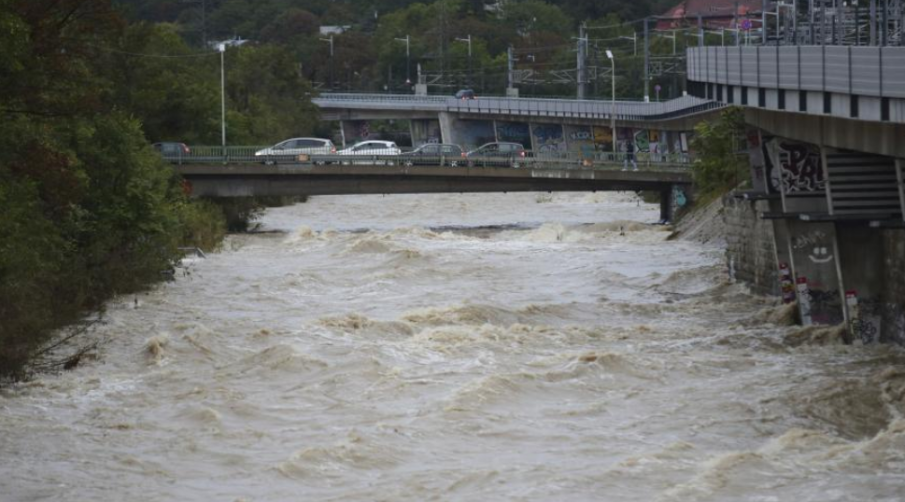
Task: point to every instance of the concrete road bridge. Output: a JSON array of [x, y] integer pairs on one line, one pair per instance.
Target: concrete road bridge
[[539, 124], [238, 176]]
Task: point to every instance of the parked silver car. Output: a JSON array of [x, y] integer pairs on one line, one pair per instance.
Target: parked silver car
[[289, 150], [371, 147]]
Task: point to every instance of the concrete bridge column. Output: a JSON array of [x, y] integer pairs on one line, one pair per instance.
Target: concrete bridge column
[[447, 130], [814, 251], [861, 266], [667, 205]]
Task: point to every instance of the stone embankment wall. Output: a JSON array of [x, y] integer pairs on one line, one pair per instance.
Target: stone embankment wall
[[750, 252], [894, 286]]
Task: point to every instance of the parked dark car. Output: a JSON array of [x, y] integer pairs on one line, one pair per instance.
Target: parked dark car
[[434, 154], [172, 149], [497, 154], [466, 94]]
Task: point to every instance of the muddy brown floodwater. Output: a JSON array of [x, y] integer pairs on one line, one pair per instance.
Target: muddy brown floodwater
[[459, 347]]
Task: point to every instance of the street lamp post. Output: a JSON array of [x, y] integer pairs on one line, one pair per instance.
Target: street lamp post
[[408, 59], [609, 54], [468, 39], [222, 48], [330, 41]]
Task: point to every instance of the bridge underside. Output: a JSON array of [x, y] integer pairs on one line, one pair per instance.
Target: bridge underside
[[306, 179], [303, 179]]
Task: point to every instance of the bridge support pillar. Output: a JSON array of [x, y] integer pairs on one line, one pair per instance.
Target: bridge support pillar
[[447, 131], [666, 205]]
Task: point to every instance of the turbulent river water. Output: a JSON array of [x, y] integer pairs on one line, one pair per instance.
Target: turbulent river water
[[511, 347]]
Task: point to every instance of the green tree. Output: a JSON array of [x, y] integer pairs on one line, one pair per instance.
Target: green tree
[[718, 166]]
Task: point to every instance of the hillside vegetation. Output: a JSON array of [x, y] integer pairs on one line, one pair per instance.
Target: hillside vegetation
[[371, 54]]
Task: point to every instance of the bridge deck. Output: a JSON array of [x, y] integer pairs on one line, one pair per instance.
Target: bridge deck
[[239, 180]]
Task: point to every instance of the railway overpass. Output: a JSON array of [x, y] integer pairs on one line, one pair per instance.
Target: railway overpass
[[826, 143]]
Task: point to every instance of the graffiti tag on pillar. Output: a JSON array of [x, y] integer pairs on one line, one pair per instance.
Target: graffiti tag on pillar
[[679, 196], [795, 167], [818, 244]]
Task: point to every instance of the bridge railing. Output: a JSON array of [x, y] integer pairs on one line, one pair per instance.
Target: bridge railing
[[538, 160], [523, 107]]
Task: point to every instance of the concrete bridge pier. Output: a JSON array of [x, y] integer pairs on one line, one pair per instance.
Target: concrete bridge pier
[[826, 227], [667, 205]]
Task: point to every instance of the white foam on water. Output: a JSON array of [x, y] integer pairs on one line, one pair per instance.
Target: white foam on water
[[459, 347]]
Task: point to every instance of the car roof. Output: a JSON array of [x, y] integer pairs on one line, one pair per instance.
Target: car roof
[[293, 139], [374, 141], [502, 143]]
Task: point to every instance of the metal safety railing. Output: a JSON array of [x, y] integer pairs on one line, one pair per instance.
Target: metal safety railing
[[528, 107], [216, 155]]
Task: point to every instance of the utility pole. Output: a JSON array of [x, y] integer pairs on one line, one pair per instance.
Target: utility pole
[[609, 55], [467, 39], [510, 65], [330, 40], [811, 20], [646, 61], [763, 22], [408, 59], [735, 21], [222, 100], [873, 22], [581, 70], [700, 31]]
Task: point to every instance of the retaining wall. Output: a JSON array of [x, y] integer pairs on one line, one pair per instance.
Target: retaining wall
[[750, 251]]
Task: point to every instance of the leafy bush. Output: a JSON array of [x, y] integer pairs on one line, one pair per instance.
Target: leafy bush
[[719, 166]]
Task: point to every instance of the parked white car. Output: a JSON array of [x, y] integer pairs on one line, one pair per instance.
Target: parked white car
[[290, 149], [371, 147]]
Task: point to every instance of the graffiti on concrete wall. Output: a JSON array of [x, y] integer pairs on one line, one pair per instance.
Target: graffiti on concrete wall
[[548, 137], [826, 306], [474, 133], [817, 246], [812, 248], [642, 140], [603, 138], [793, 166], [865, 317], [625, 136], [516, 132], [579, 139], [655, 146]]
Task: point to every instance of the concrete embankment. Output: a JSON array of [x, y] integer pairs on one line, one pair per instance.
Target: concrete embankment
[[865, 289]]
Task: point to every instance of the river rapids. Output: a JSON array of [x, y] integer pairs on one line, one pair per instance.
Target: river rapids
[[476, 347]]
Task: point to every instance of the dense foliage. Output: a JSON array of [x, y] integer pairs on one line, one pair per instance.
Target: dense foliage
[[720, 164], [371, 54], [89, 210]]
